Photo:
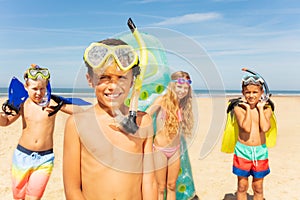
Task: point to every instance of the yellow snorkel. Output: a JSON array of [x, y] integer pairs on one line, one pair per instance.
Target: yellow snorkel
[[143, 64], [129, 124]]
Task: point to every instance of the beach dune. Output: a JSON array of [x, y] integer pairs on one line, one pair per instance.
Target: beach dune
[[212, 173]]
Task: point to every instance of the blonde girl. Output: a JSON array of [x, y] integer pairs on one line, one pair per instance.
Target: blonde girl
[[174, 117]]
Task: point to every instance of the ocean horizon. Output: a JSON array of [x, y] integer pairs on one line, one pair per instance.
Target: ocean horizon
[[88, 92]]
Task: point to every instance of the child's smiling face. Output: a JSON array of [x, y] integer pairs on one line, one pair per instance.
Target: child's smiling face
[[252, 93], [112, 86]]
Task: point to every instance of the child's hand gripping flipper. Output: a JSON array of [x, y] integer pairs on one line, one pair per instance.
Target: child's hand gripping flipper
[[16, 96]]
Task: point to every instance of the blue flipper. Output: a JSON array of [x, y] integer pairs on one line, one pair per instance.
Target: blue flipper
[[16, 96], [75, 101], [62, 100]]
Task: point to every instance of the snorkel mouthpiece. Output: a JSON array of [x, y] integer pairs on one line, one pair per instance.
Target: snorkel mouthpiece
[[131, 25], [129, 124]]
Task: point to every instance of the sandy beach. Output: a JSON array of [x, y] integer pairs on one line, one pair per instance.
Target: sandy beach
[[212, 173]]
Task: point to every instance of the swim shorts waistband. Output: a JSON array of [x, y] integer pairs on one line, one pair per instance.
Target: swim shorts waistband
[[29, 152]]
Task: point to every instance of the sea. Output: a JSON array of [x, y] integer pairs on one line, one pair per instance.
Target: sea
[[88, 92]]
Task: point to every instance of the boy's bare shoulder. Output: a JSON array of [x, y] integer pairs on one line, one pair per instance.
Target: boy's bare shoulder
[[82, 116], [239, 108]]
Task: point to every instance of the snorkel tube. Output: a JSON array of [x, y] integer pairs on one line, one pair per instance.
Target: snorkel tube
[[129, 124], [267, 91]]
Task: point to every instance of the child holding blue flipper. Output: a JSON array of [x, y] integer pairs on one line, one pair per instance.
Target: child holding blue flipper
[[33, 158]]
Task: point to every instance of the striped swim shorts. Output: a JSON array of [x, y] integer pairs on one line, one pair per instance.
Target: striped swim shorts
[[30, 172], [250, 160]]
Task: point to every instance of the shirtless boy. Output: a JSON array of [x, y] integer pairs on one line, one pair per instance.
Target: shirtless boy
[[33, 158], [101, 161], [251, 153]]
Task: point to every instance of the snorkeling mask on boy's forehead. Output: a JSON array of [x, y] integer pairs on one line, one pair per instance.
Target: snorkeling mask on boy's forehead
[[97, 53], [252, 79], [36, 71]]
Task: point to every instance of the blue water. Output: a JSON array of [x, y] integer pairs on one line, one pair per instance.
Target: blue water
[[238, 92], [88, 92], [66, 92]]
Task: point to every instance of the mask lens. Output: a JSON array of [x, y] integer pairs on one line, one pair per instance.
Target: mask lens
[[96, 55], [44, 72], [252, 79], [126, 57], [181, 81], [33, 72]]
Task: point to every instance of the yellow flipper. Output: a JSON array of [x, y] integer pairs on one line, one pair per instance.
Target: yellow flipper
[[230, 134], [271, 135]]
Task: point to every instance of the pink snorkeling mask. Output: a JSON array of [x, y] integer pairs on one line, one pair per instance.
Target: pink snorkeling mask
[[183, 81]]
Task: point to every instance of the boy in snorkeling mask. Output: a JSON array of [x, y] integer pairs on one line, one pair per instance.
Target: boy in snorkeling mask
[[100, 160], [251, 153], [33, 158]]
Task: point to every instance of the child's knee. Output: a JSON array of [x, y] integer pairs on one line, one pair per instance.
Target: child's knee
[[161, 188], [242, 188], [257, 189], [171, 186]]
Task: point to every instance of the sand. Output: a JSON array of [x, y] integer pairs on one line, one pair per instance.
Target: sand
[[212, 173]]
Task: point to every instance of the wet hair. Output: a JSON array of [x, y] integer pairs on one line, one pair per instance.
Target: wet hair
[[114, 42]]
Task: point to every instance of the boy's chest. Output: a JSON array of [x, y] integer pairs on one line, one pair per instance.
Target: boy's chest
[[103, 133], [126, 141], [35, 113], [254, 116]]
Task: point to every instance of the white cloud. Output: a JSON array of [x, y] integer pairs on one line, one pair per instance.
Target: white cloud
[[189, 18]]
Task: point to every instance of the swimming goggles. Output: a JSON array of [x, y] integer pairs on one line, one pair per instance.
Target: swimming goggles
[[252, 79], [183, 81], [97, 53], [35, 71]]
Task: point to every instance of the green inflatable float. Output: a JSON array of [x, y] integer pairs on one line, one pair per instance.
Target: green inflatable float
[[156, 79]]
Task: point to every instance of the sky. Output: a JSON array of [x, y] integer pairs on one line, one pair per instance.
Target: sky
[[263, 35]]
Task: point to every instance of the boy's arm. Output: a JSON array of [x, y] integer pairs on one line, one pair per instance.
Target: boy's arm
[[264, 116], [154, 106], [149, 187], [243, 117], [71, 108], [71, 162], [6, 120]]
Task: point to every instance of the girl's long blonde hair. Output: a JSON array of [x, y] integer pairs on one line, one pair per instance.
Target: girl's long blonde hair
[[172, 107]]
